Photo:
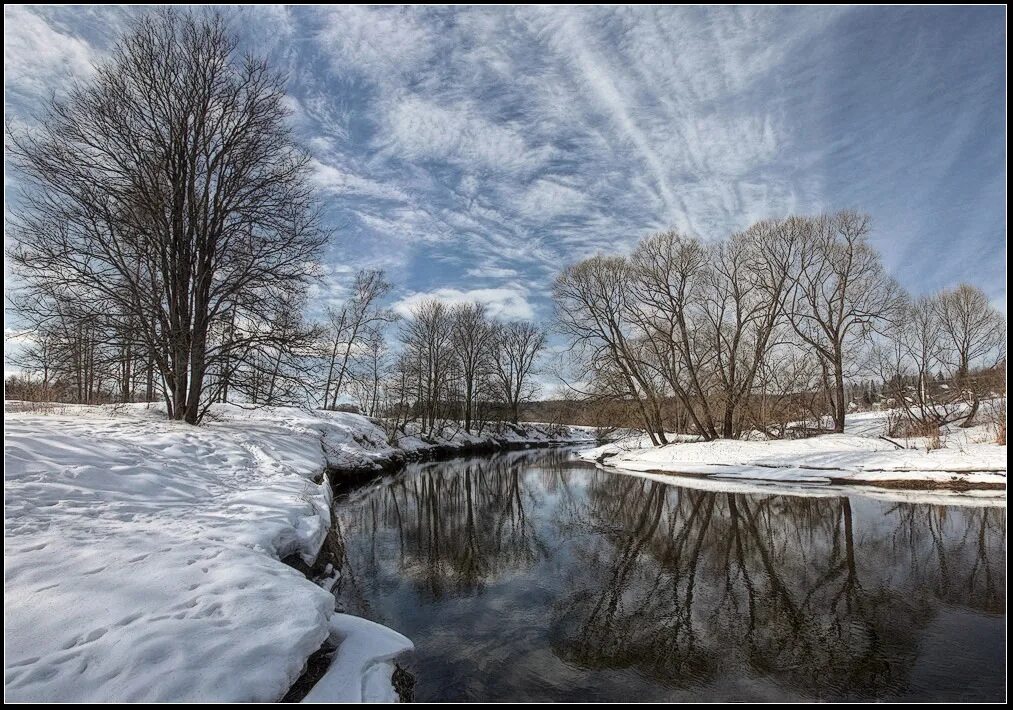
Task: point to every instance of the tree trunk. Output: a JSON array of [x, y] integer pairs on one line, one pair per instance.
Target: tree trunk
[[728, 423], [839, 406], [969, 420], [467, 406], [149, 385]]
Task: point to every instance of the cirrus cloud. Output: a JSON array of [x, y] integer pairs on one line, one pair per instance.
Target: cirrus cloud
[[506, 303], [501, 143]]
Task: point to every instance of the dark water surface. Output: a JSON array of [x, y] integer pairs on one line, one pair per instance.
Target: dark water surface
[[528, 576]]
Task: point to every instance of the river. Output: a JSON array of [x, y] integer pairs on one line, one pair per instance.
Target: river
[[531, 576]]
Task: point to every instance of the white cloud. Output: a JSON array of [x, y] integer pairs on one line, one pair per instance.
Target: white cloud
[[506, 303], [500, 143], [336, 181], [39, 58], [492, 272], [420, 129], [384, 43], [545, 199]]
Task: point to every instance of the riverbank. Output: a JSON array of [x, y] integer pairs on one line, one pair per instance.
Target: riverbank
[[143, 558], [530, 577], [967, 459]]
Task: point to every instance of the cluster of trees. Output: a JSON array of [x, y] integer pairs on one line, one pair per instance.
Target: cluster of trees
[[165, 237], [945, 353], [457, 363], [167, 214], [767, 329], [439, 365]]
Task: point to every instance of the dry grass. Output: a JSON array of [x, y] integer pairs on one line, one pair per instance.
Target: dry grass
[[900, 426], [994, 413], [22, 406], [935, 439]]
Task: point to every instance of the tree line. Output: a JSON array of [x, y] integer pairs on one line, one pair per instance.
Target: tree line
[[766, 330], [440, 365]]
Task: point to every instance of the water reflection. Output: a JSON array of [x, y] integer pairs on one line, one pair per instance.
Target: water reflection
[[596, 584], [457, 525]]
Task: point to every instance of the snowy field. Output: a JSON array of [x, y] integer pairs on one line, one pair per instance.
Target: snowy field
[[142, 557], [859, 455]]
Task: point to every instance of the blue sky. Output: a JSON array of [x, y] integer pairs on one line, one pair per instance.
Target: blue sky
[[472, 152]]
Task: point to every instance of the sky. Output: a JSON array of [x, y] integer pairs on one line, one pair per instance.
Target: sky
[[472, 152]]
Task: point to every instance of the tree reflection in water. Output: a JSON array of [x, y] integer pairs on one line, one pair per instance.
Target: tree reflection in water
[[821, 597], [457, 525]]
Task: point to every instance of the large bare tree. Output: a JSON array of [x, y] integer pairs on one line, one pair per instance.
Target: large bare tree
[[669, 273], [474, 345], [167, 194], [427, 360], [842, 295], [518, 345], [975, 333], [595, 310]]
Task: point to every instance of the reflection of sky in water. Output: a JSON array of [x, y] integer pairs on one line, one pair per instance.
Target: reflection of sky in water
[[525, 577]]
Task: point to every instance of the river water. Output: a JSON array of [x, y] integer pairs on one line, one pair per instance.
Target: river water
[[530, 576]]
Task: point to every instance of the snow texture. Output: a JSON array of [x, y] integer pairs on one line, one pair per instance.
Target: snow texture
[[858, 455], [361, 668], [143, 557]]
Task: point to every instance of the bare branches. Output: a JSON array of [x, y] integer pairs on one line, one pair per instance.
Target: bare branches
[[842, 295], [353, 326], [762, 331], [167, 199], [517, 344], [682, 319]]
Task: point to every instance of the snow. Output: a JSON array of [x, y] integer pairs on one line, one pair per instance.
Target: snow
[[804, 489], [859, 455], [362, 666], [494, 434], [143, 557]]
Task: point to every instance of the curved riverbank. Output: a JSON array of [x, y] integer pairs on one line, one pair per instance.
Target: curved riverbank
[[144, 557], [964, 459]]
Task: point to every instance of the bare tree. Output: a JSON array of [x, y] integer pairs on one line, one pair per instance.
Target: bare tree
[[976, 335], [788, 402], [167, 196], [473, 342], [352, 325], [709, 313], [428, 360], [517, 346], [842, 294], [667, 281], [272, 370], [594, 309], [911, 365]]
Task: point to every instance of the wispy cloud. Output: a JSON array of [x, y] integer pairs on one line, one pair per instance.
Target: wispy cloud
[[506, 303], [471, 147], [39, 58]]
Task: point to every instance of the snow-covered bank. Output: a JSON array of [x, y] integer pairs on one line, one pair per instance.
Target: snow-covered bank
[[143, 557], [362, 665], [713, 484], [858, 456]]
